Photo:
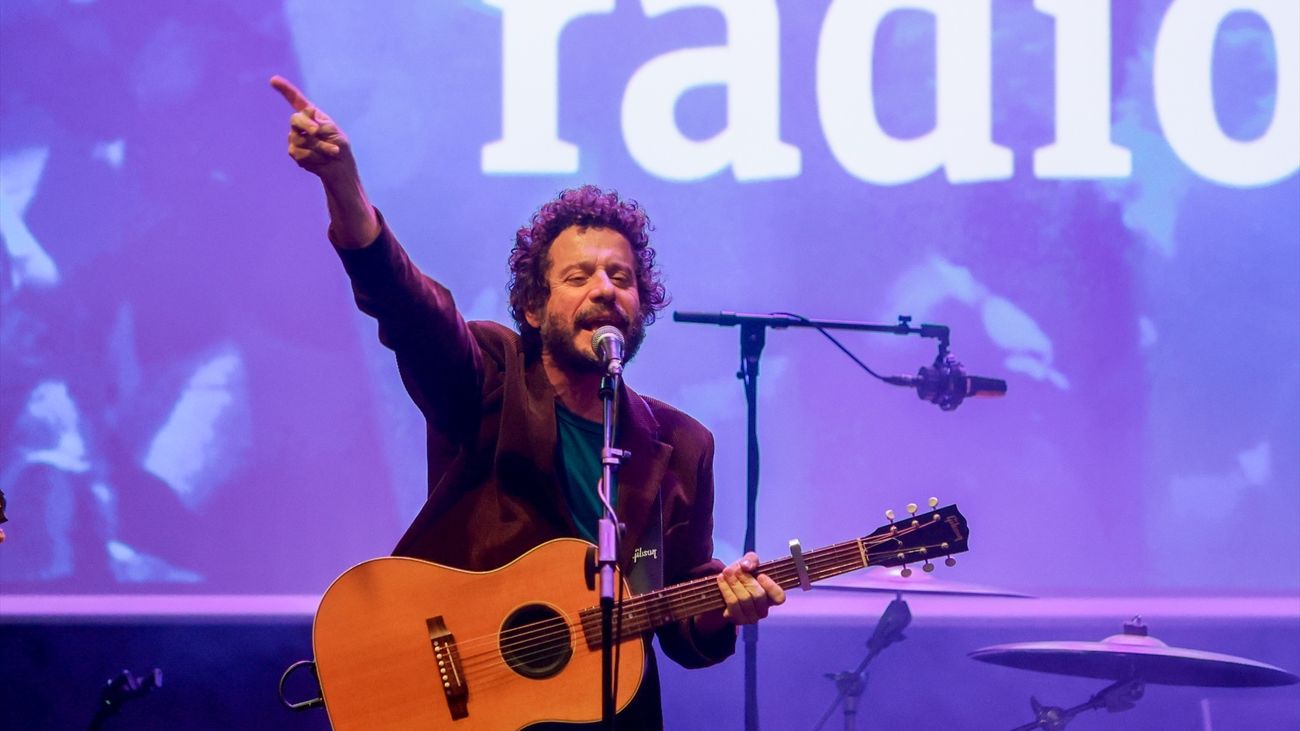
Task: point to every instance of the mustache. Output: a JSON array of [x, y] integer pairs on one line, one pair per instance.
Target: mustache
[[602, 316]]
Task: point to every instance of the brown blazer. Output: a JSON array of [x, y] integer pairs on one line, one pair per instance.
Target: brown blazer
[[493, 488]]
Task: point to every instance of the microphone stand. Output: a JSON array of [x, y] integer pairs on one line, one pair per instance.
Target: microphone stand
[[119, 689], [607, 549], [753, 335], [850, 685]]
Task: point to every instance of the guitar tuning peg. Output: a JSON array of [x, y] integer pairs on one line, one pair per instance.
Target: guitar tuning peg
[[905, 573], [934, 502], [911, 508], [927, 567], [949, 561], [890, 514]]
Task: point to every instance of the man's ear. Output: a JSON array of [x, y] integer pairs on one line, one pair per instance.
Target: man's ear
[[534, 319]]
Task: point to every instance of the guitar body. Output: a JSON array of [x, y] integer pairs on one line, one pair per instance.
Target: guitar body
[[379, 666], [407, 644]]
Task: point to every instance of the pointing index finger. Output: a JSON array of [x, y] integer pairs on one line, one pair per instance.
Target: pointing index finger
[[290, 92]]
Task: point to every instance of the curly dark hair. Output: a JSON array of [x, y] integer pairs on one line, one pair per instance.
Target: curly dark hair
[[585, 207]]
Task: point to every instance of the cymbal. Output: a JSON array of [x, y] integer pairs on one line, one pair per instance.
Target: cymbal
[[891, 581], [1139, 657]]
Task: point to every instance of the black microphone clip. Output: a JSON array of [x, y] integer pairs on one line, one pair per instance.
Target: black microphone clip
[[946, 384]]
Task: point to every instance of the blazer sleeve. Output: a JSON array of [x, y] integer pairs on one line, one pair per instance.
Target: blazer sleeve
[[439, 360], [691, 546]]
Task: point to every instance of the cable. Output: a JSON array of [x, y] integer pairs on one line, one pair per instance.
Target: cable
[[831, 338]]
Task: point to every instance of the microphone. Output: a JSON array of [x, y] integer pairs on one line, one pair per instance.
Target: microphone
[[608, 344], [946, 384]]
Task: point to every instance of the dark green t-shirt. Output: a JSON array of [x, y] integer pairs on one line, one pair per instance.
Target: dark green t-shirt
[[578, 452]]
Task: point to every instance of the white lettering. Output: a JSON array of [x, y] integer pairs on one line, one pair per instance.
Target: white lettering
[[748, 66], [1184, 93], [1083, 148], [530, 40], [961, 141]]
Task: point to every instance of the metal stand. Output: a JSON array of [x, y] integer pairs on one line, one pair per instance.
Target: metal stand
[[850, 686], [889, 630], [607, 549], [753, 330], [1118, 696], [121, 688], [752, 338]]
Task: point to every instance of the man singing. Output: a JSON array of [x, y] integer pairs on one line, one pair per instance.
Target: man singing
[[514, 418]]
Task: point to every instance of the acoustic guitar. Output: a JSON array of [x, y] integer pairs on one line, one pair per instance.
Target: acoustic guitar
[[402, 643]]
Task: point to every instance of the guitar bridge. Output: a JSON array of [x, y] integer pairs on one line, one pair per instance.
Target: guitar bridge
[[450, 672]]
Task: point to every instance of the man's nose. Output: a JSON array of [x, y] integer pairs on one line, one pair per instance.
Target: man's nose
[[602, 287]]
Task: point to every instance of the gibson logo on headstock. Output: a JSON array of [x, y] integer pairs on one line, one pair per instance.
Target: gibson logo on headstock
[[643, 552], [955, 524]]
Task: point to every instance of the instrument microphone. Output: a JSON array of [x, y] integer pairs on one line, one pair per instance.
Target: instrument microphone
[[608, 344], [946, 384]]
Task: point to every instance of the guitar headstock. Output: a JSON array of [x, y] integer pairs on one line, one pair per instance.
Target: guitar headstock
[[921, 537]]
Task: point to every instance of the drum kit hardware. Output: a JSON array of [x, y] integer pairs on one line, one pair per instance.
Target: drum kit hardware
[[850, 684], [1131, 660]]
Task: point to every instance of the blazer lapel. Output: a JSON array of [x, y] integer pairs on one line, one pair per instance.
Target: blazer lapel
[[641, 474], [528, 443], [525, 454]]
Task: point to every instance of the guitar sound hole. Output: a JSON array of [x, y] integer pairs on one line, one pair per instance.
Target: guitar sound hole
[[535, 641]]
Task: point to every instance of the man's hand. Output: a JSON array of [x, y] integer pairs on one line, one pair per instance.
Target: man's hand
[[315, 142], [318, 146], [748, 597]]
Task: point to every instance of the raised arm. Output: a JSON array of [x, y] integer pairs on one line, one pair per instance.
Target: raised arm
[[318, 146], [439, 359]]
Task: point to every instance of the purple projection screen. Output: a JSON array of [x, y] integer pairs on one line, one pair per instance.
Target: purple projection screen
[[1100, 199]]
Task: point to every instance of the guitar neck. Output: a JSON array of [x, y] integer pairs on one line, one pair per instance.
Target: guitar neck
[[646, 612], [936, 533]]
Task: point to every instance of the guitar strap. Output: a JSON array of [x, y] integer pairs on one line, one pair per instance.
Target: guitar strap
[[647, 569]]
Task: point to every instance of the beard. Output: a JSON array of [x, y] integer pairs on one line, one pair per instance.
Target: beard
[[558, 335]]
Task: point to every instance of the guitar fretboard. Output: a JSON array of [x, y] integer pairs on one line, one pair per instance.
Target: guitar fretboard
[[646, 612]]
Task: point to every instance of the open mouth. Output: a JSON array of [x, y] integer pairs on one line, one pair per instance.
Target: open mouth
[[595, 323]]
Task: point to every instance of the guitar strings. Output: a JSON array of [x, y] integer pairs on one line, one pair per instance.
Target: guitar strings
[[486, 674], [686, 600], [559, 631], [635, 609], [706, 587], [497, 671], [699, 594], [831, 557], [672, 595]]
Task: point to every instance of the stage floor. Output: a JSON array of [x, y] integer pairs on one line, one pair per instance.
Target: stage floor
[[222, 657]]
